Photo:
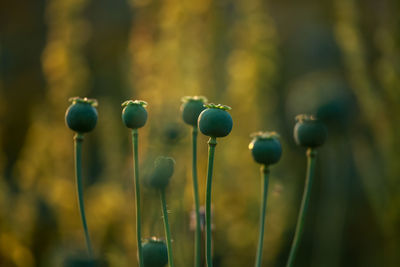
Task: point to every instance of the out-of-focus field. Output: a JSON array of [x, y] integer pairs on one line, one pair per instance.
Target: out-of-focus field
[[268, 60]]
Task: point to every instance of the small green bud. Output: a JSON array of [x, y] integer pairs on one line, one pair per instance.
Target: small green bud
[[155, 253], [134, 114], [162, 172], [191, 108], [215, 121], [266, 147], [81, 115], [309, 131]]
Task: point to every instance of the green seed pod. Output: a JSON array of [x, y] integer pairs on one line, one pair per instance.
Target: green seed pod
[[266, 148], [309, 131], [162, 172], [191, 108], [81, 115], [134, 114], [215, 121], [155, 253]]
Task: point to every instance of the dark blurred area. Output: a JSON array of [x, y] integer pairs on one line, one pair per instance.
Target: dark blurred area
[[268, 60]]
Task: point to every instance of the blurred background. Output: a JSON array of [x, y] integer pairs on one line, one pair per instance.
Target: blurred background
[[268, 60]]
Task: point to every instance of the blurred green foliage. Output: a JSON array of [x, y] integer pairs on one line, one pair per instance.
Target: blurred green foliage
[[268, 60]]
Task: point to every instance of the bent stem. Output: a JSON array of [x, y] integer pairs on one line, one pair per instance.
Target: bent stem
[[166, 226], [265, 176], [311, 155], [211, 143], [197, 237], [137, 196], [79, 188]]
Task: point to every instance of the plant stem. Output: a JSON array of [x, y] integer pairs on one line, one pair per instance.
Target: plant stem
[[79, 188], [166, 226], [211, 143], [265, 180], [197, 237], [137, 196], [311, 155]]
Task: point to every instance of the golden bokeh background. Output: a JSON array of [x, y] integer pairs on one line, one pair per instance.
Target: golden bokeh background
[[268, 60]]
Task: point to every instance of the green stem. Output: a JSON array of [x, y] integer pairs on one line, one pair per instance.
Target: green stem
[[265, 175], [211, 143], [137, 196], [311, 155], [197, 237], [79, 188], [166, 226]]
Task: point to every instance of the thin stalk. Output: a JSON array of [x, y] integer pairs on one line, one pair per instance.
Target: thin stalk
[[137, 196], [197, 237], [211, 150], [264, 192], [166, 226], [79, 188], [311, 155]]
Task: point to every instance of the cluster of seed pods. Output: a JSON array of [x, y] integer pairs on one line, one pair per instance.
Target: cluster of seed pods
[[212, 120]]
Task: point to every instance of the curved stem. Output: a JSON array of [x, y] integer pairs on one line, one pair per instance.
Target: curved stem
[[79, 188], [166, 226], [197, 237], [211, 143], [311, 154], [137, 196], [265, 176]]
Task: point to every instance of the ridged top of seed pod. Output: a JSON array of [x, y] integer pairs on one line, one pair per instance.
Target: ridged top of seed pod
[[265, 135], [76, 99], [194, 98], [154, 239], [134, 102], [218, 106], [305, 118]]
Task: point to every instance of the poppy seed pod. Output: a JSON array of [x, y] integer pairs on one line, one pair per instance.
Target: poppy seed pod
[[162, 172], [309, 131], [215, 121], [266, 148], [134, 114], [81, 115], [155, 253], [191, 108]]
